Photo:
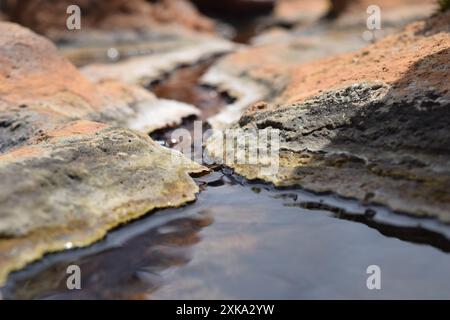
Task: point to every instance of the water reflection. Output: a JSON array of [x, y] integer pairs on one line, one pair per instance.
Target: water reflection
[[242, 240], [122, 270]]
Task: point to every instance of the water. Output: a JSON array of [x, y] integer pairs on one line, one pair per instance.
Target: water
[[250, 241]]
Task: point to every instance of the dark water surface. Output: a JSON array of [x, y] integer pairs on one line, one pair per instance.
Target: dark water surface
[[242, 240]]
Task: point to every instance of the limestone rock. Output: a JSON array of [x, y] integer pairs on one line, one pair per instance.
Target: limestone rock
[[40, 89], [372, 125], [262, 72], [74, 183]]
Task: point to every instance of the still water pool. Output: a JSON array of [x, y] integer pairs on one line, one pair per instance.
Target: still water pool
[[248, 240]]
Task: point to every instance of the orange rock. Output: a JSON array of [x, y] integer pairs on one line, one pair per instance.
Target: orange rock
[[32, 71], [48, 16], [372, 124], [419, 52], [76, 128], [300, 11], [293, 59], [39, 89]]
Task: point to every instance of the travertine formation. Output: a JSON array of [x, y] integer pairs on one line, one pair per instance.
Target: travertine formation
[[363, 121]]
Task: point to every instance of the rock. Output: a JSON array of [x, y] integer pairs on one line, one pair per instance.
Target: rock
[[65, 180], [40, 89], [262, 71], [117, 29], [73, 184], [49, 17], [373, 124], [296, 12], [293, 12]]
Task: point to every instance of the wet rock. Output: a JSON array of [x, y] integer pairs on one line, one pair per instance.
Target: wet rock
[[372, 125], [80, 180], [65, 180], [262, 72]]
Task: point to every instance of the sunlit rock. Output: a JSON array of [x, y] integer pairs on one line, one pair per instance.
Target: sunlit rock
[[65, 180], [78, 181], [373, 124]]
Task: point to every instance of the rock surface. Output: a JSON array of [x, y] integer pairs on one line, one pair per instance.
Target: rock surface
[[372, 125], [262, 71], [49, 17], [39, 89], [169, 50], [115, 29], [68, 173], [295, 12], [402, 59]]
